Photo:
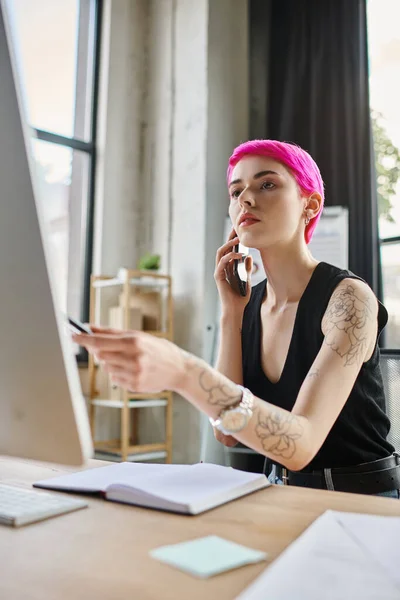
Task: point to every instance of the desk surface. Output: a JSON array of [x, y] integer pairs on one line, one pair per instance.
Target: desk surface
[[102, 552]]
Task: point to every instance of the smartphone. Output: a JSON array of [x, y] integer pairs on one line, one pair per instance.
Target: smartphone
[[239, 282], [78, 327]]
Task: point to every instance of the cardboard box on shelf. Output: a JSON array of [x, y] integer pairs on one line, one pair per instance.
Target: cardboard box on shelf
[[116, 318], [149, 303]]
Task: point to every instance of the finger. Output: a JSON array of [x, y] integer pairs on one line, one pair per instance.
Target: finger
[[230, 257], [248, 263], [225, 260], [228, 244], [111, 343], [119, 363], [105, 330], [113, 358], [227, 440], [121, 371], [224, 270], [230, 441], [249, 269], [225, 248]]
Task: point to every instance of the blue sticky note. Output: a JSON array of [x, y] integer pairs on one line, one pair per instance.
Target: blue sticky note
[[207, 556]]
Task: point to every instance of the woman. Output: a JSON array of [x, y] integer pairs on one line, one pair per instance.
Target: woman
[[304, 341]]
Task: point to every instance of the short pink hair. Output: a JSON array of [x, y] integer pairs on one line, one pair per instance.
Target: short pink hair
[[303, 168]]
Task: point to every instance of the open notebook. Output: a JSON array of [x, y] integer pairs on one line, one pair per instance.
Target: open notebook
[[187, 489]]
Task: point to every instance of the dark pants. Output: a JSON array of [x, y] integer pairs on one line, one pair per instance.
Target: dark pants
[[391, 494]]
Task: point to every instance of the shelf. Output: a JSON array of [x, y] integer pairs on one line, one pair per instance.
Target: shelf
[[113, 457], [143, 403], [114, 446], [160, 309], [132, 396], [140, 281]]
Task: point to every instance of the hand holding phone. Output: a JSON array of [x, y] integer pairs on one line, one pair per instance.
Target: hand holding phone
[[239, 284], [231, 274]]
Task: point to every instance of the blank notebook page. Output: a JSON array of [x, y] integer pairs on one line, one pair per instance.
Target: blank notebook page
[[98, 479], [195, 482]]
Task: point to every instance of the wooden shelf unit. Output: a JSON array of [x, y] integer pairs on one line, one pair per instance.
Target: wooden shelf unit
[[127, 446]]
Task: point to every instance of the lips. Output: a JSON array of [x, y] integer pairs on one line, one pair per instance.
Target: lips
[[247, 219]]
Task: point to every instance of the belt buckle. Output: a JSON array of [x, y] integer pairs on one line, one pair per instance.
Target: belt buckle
[[285, 477]]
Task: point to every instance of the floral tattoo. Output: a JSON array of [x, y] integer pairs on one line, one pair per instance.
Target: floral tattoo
[[278, 432], [347, 313], [219, 393]]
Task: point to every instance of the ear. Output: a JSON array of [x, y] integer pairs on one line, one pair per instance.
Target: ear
[[312, 205]]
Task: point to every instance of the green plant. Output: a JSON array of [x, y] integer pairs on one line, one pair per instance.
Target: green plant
[[387, 164], [149, 262]]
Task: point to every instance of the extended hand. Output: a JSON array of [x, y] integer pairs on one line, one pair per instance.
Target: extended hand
[[137, 361]]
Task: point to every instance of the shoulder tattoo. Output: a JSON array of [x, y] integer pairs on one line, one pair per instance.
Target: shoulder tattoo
[[349, 313]]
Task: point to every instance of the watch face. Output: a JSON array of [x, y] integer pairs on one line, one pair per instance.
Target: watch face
[[234, 420]]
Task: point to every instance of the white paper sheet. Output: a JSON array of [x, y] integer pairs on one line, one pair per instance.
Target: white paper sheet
[[379, 536], [324, 562]]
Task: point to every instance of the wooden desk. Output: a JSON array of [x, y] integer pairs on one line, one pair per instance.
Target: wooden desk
[[102, 552]]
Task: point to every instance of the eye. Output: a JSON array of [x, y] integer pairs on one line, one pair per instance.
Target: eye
[[267, 185], [235, 193]]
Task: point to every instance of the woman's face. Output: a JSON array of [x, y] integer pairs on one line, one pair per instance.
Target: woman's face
[[266, 205]]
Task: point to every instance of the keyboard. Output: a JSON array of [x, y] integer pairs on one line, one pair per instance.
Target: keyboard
[[20, 507]]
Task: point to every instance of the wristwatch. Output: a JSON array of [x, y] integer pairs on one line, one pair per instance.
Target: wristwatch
[[233, 419]]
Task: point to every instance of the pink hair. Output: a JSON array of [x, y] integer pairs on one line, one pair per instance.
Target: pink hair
[[303, 168]]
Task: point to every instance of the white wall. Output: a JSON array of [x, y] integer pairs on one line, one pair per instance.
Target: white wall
[[119, 201], [227, 126], [186, 228], [173, 105], [227, 122]]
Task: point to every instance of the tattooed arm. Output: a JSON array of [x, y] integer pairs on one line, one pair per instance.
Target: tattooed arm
[[143, 363], [293, 438], [350, 327], [272, 431]]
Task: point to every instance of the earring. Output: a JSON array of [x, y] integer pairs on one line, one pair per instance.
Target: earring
[[307, 219]]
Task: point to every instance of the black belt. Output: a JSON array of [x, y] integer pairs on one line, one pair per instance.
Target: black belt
[[381, 475]]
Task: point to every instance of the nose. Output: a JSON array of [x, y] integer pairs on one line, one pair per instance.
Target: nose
[[246, 199]]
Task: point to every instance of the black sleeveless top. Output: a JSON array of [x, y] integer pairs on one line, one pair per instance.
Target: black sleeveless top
[[360, 431]]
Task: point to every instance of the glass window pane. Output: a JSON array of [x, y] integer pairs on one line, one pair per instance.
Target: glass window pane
[[390, 254], [63, 191], [384, 63], [54, 46]]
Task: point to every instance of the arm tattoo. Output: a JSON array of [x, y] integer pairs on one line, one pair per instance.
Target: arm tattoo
[[313, 374], [278, 432], [219, 393], [347, 313], [277, 429]]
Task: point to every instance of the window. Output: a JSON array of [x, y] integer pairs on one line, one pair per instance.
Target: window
[[57, 50], [384, 61]]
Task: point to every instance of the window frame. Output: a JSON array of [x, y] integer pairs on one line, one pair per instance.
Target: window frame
[[386, 242], [89, 148]]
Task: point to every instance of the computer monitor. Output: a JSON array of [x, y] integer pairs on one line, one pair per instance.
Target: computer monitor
[[42, 410]]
